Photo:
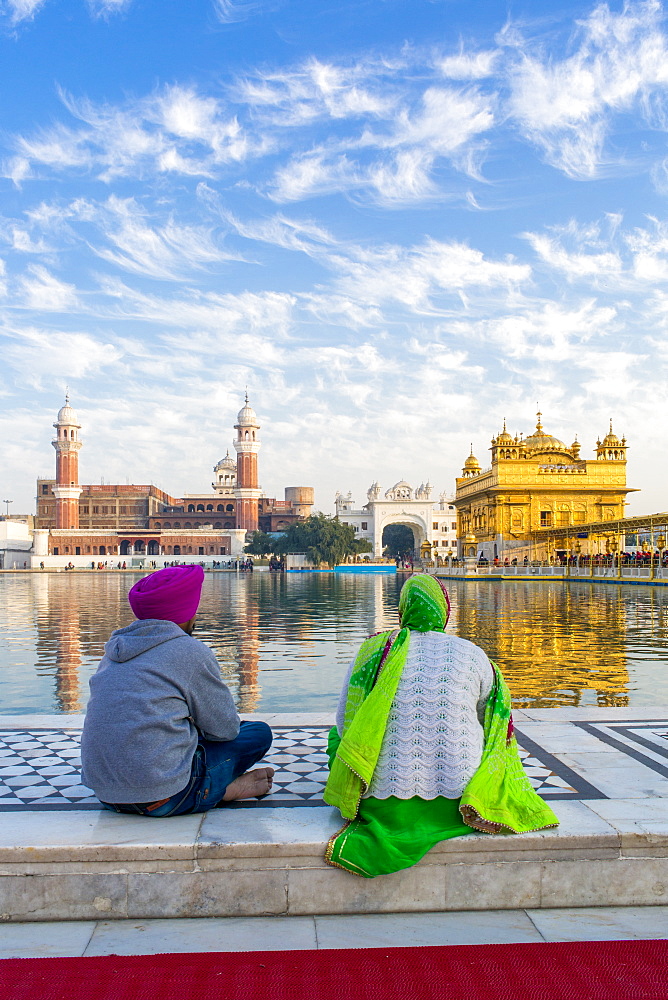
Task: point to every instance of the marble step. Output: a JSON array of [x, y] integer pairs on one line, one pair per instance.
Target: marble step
[[85, 865]]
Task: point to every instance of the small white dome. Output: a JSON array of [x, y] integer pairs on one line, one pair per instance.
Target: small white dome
[[246, 416], [226, 463], [66, 415]]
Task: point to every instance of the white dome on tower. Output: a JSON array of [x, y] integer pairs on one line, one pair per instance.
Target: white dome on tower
[[67, 415], [246, 416], [226, 463]]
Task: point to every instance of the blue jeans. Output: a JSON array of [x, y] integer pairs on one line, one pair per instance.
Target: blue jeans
[[215, 765]]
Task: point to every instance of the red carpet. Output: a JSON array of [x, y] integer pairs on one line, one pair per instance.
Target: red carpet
[[601, 970]]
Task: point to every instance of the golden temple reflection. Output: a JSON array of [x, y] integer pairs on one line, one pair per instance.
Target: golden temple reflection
[[569, 649]]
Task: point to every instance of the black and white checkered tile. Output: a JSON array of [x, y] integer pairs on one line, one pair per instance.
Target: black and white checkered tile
[[39, 769]]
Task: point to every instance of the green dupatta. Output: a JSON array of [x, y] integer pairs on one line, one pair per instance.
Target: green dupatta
[[386, 835]]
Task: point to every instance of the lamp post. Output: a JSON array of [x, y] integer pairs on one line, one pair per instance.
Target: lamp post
[[578, 549], [661, 544], [7, 503]]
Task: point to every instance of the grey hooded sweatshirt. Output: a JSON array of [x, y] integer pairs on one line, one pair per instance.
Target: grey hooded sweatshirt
[[155, 689]]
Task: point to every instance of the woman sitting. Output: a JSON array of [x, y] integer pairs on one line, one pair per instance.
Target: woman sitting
[[423, 749]]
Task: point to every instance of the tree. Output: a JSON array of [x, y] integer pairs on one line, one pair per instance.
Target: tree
[[322, 539], [261, 544]]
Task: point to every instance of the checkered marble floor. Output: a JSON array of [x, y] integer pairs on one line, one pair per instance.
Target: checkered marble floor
[[39, 769]]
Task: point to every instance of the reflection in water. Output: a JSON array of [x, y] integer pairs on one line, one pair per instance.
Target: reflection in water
[[284, 642]]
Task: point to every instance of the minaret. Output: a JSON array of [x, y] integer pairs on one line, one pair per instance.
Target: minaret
[[67, 444], [247, 490]]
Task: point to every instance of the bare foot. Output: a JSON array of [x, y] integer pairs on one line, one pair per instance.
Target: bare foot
[[251, 785]]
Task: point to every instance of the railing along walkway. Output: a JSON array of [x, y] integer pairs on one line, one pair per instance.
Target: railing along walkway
[[655, 574]]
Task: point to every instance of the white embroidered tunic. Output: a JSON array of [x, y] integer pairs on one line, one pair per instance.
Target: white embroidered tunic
[[434, 737]]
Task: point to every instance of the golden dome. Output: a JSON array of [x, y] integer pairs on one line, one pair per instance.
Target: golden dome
[[611, 440], [504, 437], [471, 462], [540, 441]]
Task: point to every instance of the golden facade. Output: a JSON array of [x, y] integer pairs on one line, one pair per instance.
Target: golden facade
[[537, 482]]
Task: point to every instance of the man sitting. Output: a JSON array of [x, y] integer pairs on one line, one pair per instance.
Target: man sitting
[[162, 736]]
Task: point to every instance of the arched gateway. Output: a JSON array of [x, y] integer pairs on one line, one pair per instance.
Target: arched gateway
[[413, 508]]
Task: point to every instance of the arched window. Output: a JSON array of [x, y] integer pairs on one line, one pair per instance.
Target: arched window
[[168, 550], [211, 549], [253, 435], [71, 434], [94, 550], [230, 507], [228, 524], [177, 550], [209, 506], [218, 524], [177, 524], [220, 507], [187, 525], [157, 524], [190, 549], [191, 508], [67, 548], [200, 506], [247, 436], [103, 550]]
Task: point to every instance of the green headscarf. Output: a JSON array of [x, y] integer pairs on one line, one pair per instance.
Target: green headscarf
[[423, 607]]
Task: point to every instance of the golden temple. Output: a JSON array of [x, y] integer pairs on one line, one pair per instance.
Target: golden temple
[[537, 482]]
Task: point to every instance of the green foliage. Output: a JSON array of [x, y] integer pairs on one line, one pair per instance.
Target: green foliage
[[260, 544], [322, 539], [398, 541]]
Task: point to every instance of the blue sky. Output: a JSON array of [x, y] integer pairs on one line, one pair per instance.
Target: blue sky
[[396, 221]]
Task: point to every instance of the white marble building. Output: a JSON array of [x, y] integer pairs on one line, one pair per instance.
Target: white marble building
[[15, 544], [415, 508]]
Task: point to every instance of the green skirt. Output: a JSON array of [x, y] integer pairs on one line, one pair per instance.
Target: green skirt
[[390, 834]]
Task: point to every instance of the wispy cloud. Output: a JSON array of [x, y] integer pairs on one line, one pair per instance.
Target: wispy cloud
[[21, 10], [44, 292], [566, 106], [232, 11], [175, 130], [416, 276], [38, 355], [169, 251], [24, 10]]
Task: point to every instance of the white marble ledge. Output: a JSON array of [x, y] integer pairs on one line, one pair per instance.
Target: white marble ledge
[[280, 836], [297, 832], [43, 837]]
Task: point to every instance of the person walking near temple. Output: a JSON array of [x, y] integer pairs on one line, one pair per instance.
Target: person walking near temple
[[162, 736]]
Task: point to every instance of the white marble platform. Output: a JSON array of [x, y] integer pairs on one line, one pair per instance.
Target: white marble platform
[[611, 849]]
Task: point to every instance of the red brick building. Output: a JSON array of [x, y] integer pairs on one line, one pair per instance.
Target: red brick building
[[86, 522]]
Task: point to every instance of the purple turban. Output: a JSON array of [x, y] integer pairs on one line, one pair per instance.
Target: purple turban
[[171, 594]]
